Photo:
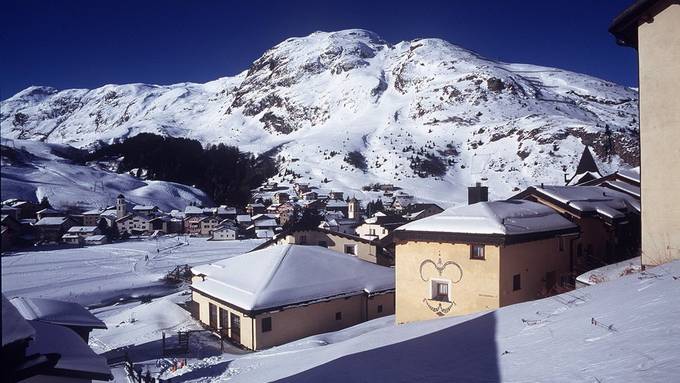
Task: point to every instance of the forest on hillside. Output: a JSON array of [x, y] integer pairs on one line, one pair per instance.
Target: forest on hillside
[[225, 173]]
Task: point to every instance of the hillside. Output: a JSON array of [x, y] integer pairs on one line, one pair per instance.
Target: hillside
[[32, 170], [416, 110]]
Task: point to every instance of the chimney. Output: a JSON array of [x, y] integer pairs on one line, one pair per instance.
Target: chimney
[[477, 193]]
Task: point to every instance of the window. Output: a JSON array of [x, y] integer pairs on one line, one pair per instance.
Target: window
[[516, 282], [561, 243], [338, 315], [440, 290], [477, 252], [266, 324], [350, 249], [379, 308]]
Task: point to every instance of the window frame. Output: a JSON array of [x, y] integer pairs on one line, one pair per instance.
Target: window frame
[[350, 246], [517, 282], [435, 294], [267, 324], [338, 315], [472, 252]]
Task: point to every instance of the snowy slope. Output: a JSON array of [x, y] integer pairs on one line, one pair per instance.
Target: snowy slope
[[317, 98], [32, 170], [634, 339]]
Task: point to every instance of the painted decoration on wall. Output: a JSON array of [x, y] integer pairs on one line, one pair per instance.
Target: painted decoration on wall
[[448, 269]]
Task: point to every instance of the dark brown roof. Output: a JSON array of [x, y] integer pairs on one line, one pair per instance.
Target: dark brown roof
[[625, 26]]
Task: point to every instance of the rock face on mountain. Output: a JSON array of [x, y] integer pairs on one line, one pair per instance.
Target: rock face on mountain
[[425, 115]]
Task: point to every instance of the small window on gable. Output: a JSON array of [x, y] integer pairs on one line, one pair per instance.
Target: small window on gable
[[379, 308], [338, 315], [516, 282], [561, 243], [477, 252], [350, 249], [266, 324], [440, 290]]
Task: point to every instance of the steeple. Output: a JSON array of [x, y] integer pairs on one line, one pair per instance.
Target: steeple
[[586, 170]]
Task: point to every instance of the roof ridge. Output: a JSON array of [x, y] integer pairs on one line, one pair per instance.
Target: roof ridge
[[271, 275]]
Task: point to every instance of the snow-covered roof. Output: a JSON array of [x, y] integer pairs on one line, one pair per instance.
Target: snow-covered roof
[[264, 233], [596, 199], [95, 238], [75, 356], [14, 326], [285, 275], [70, 236], [144, 208], [258, 217], [226, 210], [193, 210], [51, 221], [498, 217], [266, 223], [632, 174], [336, 204], [243, 218], [56, 312], [82, 229], [625, 187], [93, 212]]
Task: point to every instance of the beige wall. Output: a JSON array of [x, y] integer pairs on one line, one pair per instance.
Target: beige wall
[[371, 231], [659, 55], [532, 261], [477, 290], [485, 284], [299, 322], [365, 251]]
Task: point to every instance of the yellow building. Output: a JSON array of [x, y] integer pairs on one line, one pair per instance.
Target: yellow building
[[282, 293], [480, 257], [653, 28]]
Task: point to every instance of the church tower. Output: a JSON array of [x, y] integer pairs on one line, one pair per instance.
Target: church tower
[[121, 206], [353, 209]]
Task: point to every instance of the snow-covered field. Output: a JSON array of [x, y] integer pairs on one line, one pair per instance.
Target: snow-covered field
[[90, 275], [626, 330]]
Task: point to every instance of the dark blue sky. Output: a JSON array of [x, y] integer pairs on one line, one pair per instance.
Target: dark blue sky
[[69, 44]]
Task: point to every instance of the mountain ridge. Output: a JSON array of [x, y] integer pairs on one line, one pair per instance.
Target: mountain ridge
[[319, 97]]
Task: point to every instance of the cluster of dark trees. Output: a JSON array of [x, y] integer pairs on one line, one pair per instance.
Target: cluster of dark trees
[[225, 173], [356, 159]]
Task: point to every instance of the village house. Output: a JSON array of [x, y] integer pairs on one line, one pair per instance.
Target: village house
[[416, 211], [98, 239], [50, 229], [336, 195], [255, 208], [379, 226], [76, 235], [480, 257], [336, 221], [91, 217], [624, 180], [208, 224], [280, 198], [310, 196], [192, 224], [364, 249], [339, 206], [301, 188], [282, 293], [48, 212], [147, 210], [226, 212], [224, 232], [286, 211], [11, 230], [42, 351], [68, 314], [244, 220], [652, 28], [609, 221]]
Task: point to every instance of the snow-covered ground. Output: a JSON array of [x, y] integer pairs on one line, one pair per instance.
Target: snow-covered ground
[[626, 330], [94, 274]]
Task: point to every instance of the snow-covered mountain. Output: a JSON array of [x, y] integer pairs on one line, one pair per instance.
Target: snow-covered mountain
[[317, 98], [32, 170]]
